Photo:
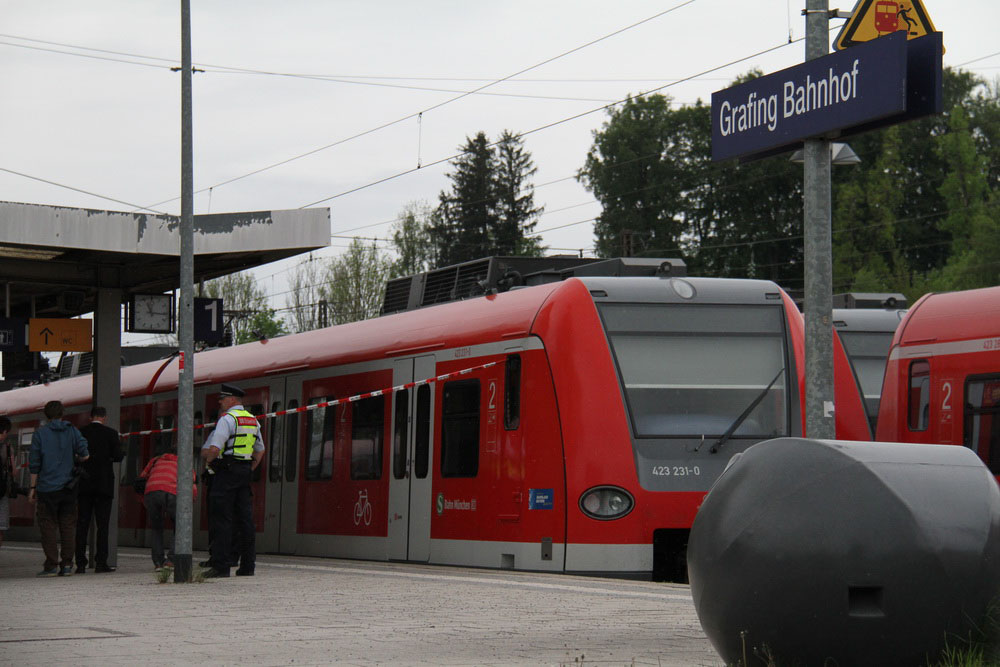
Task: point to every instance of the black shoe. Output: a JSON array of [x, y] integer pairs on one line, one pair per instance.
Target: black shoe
[[104, 568], [205, 563], [81, 569], [212, 573], [244, 573]]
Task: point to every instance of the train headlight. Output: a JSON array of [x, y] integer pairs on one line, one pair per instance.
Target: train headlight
[[606, 502]]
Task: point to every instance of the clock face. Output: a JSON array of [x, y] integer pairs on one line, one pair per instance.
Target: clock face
[[152, 313]]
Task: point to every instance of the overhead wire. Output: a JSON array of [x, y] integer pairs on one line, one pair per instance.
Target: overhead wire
[[440, 104]]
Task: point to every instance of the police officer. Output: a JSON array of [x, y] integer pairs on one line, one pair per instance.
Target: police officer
[[234, 449]]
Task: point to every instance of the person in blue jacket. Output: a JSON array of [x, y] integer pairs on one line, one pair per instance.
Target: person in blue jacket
[[56, 448]]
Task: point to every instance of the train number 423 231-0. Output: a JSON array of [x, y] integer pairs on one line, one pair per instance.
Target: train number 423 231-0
[[676, 471]]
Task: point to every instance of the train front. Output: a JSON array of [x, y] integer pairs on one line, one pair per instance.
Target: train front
[[660, 381]]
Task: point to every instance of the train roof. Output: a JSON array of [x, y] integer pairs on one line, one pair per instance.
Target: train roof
[[447, 325], [951, 316], [707, 290], [506, 315]]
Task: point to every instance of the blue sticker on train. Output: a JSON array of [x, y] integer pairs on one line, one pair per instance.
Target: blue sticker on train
[[539, 499]]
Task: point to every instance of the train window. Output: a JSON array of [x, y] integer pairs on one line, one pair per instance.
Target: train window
[[367, 429], [319, 425], [691, 370], [512, 393], [274, 456], [422, 445], [982, 419], [399, 434], [919, 398], [164, 441], [291, 442], [133, 453], [460, 429]]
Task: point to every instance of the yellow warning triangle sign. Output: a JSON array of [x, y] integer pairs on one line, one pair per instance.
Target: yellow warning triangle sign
[[872, 19]]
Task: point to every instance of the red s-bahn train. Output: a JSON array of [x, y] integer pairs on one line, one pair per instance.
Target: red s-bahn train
[[612, 405], [942, 379]]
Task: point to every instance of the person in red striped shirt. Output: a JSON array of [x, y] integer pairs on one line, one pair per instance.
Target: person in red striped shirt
[[160, 500]]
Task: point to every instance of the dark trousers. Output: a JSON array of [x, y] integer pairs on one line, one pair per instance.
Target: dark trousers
[[160, 505], [234, 542], [56, 513], [97, 506], [231, 514]]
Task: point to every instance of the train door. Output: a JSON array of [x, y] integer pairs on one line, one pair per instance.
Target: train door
[[281, 464], [412, 444]]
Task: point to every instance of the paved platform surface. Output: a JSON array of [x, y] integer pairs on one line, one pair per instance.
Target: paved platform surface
[[313, 611]]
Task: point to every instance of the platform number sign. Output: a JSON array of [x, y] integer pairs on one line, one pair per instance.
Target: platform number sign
[[208, 324]]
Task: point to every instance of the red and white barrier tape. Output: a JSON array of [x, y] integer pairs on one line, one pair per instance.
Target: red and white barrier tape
[[327, 404]]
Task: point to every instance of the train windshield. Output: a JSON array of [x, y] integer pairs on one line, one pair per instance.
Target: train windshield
[[692, 370], [868, 351]]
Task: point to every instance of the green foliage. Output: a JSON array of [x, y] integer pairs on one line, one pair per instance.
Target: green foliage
[[245, 308], [918, 213], [638, 171], [489, 209], [354, 284], [411, 240], [262, 325]]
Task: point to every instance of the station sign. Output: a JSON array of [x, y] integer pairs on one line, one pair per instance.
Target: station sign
[[878, 83], [207, 321], [871, 19], [60, 335]]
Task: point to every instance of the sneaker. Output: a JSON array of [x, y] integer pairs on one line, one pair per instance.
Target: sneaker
[[48, 573], [66, 571], [244, 573], [104, 568]]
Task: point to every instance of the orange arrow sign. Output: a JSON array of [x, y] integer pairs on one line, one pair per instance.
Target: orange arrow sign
[[60, 335]]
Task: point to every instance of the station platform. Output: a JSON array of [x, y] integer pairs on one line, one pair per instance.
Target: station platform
[[315, 611]]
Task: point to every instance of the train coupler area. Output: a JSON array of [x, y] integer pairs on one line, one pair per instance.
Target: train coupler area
[[670, 555]]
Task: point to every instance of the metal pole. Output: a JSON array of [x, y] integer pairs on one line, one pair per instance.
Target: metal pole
[[185, 394], [818, 253]]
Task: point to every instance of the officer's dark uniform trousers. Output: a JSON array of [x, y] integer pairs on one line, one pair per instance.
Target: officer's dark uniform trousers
[[231, 504]]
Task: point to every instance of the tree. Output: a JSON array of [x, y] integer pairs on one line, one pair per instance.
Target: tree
[[245, 307], [975, 256], [303, 300], [634, 171], [468, 212], [490, 208], [355, 283], [411, 240], [515, 199]]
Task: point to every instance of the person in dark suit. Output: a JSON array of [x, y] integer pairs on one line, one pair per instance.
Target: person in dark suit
[[97, 490]]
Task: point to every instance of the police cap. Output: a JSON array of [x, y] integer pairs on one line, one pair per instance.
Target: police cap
[[230, 390]]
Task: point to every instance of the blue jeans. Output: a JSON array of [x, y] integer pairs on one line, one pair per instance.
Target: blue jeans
[[160, 504]]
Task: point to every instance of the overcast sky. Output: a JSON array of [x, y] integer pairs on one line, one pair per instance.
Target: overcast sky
[[90, 102]]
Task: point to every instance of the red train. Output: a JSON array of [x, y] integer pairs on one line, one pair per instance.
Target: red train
[[942, 380], [587, 447]]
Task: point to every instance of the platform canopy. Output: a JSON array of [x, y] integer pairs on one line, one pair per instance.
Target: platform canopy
[[60, 257]]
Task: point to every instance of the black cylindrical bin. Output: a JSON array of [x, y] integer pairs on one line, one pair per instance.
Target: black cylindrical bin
[[819, 552]]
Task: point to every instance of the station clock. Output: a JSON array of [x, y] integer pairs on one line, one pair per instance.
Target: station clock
[[151, 313]]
